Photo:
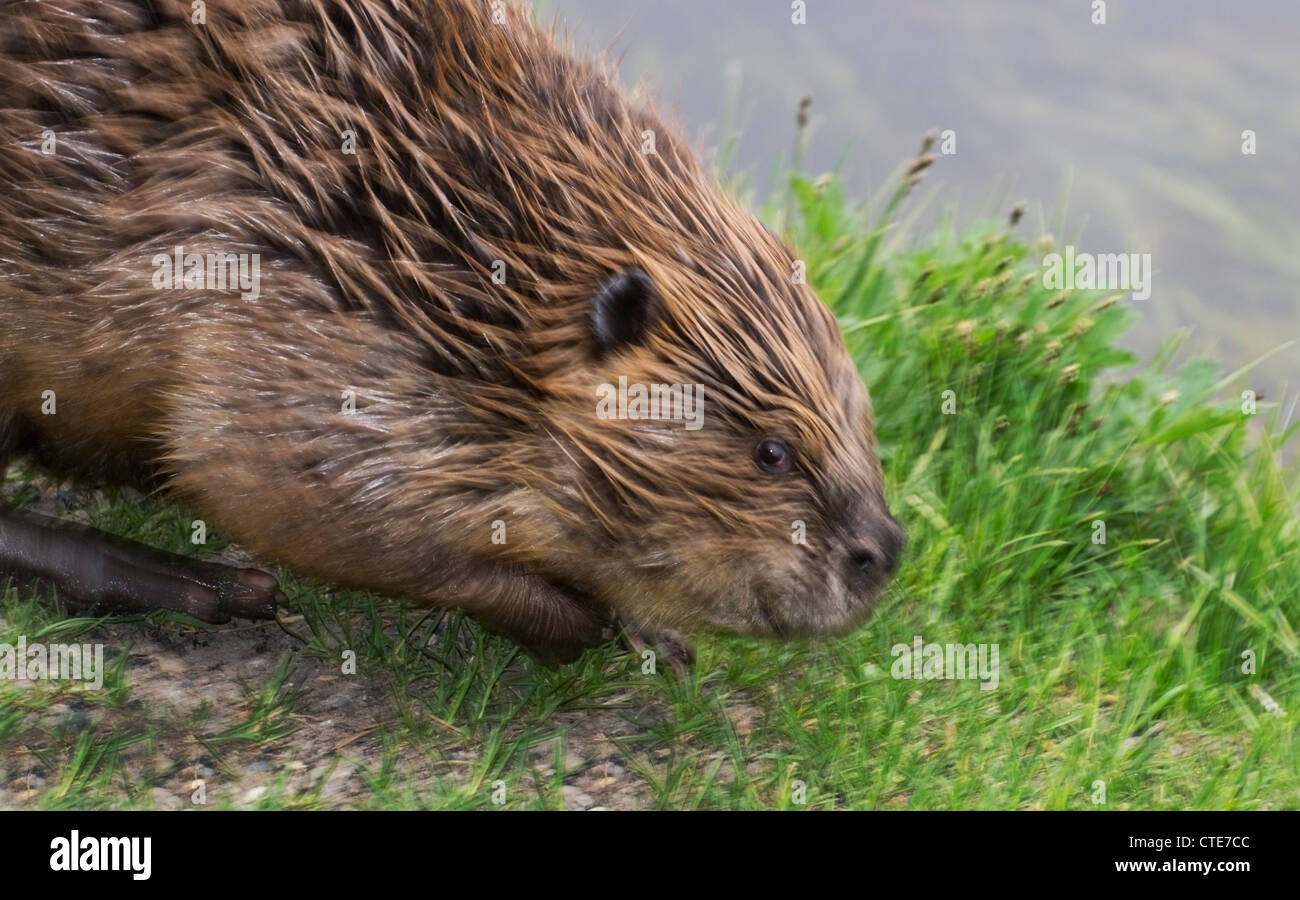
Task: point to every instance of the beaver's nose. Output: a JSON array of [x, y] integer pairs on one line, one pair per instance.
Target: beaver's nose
[[880, 557]]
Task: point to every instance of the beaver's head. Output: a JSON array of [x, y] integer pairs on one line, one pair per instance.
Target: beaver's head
[[716, 447]]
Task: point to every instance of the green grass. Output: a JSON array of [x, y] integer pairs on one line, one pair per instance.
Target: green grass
[[1121, 662]]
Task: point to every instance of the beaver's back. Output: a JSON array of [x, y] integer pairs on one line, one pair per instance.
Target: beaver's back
[[135, 131]]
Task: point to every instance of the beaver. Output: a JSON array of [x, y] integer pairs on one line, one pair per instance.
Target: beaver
[[446, 234]]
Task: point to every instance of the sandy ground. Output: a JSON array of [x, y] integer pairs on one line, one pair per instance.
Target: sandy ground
[[187, 682], [336, 721]]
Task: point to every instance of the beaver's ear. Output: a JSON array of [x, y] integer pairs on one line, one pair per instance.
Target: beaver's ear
[[625, 308]]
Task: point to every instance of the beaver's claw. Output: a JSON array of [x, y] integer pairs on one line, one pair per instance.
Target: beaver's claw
[[670, 648]]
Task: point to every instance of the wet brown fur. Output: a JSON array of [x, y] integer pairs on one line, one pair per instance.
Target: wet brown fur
[[475, 402]]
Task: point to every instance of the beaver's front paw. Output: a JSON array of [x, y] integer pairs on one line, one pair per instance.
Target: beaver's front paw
[[670, 648]]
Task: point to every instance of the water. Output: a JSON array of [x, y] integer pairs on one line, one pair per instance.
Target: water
[[1141, 118]]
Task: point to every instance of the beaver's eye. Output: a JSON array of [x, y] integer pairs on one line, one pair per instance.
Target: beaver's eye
[[773, 456]]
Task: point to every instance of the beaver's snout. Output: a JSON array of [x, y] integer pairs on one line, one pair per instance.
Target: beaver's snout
[[876, 557], [802, 601]]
